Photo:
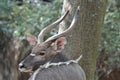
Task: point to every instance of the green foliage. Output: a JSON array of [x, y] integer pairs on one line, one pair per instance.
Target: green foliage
[[5, 7], [31, 17], [111, 32], [110, 40]]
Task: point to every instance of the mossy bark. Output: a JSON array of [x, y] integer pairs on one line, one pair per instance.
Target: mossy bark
[[85, 37]]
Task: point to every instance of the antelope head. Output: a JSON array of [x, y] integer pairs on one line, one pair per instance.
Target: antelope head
[[44, 51]]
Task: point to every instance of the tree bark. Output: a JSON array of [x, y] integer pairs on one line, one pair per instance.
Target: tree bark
[[85, 37]]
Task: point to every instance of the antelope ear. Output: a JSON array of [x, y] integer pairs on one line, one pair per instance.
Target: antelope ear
[[59, 44], [32, 40]]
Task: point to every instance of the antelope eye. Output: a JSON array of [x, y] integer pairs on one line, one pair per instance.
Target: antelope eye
[[42, 53]]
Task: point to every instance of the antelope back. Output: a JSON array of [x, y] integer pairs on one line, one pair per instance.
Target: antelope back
[[63, 72]]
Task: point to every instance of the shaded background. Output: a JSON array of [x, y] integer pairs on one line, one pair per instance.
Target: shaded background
[[19, 18]]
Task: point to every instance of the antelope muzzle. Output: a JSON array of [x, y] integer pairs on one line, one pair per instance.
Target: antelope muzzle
[[30, 62]]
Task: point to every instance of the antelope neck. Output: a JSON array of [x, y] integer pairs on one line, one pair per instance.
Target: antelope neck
[[59, 58], [47, 65]]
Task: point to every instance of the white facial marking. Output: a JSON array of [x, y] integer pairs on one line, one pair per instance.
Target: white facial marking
[[22, 69], [32, 54], [21, 64]]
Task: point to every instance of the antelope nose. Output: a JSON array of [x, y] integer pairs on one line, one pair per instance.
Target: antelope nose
[[21, 65]]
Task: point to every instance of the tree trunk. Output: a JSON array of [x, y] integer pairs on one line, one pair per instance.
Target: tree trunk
[[85, 37]]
